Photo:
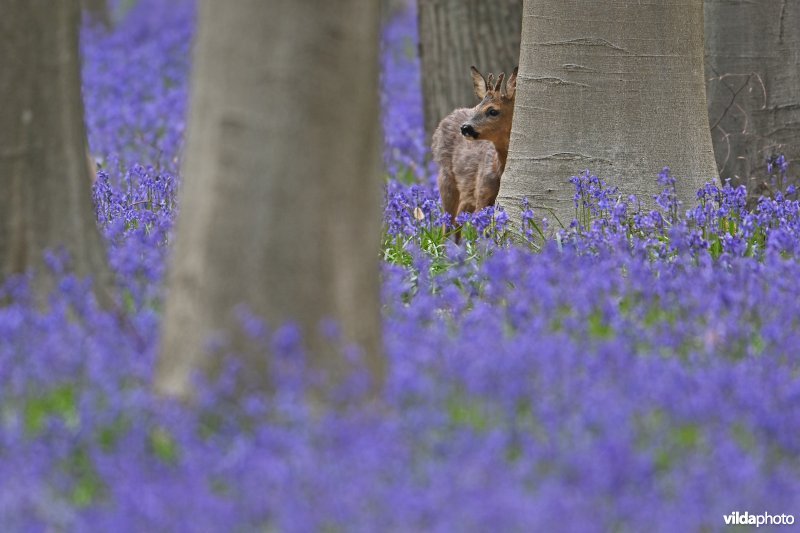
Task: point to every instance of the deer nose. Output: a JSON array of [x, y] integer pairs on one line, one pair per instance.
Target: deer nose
[[468, 131]]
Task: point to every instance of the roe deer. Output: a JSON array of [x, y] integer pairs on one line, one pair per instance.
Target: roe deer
[[471, 146]]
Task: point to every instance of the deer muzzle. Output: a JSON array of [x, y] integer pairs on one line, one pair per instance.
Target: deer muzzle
[[468, 131]]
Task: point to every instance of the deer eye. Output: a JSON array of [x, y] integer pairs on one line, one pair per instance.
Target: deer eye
[[492, 112]]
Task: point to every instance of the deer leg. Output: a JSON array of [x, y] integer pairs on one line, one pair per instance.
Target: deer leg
[[448, 190], [487, 193], [465, 206], [488, 184]]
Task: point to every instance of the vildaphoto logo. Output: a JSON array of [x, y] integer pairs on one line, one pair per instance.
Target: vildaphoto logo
[[746, 519]]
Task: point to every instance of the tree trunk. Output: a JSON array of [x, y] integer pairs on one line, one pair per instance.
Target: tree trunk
[[455, 35], [616, 87], [46, 198], [753, 77], [280, 207]]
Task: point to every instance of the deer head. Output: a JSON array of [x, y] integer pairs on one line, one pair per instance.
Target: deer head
[[491, 118]]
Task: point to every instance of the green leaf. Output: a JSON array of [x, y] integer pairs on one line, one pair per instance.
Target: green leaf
[[59, 402], [164, 446], [598, 328]]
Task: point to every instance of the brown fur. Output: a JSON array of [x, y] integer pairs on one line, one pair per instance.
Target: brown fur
[[470, 169]]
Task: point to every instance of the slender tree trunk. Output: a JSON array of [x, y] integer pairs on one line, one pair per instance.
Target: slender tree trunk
[[46, 197], [616, 87], [753, 77], [457, 34], [280, 207]]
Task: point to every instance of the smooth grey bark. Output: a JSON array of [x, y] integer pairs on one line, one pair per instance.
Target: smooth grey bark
[[46, 197], [280, 205], [455, 35], [616, 87], [753, 81]]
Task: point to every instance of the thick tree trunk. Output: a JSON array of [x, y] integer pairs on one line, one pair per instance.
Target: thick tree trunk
[[280, 207], [616, 87], [753, 77], [457, 34], [46, 197]]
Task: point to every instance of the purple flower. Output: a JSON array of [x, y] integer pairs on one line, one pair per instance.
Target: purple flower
[[636, 371]]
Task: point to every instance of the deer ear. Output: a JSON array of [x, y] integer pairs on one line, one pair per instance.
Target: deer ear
[[479, 83], [499, 82], [511, 84]]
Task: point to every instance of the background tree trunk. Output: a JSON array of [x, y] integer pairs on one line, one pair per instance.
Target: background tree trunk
[[280, 207], [616, 87], [46, 198], [753, 77], [456, 34]]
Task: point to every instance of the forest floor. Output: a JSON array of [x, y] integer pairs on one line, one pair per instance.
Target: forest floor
[[638, 372]]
